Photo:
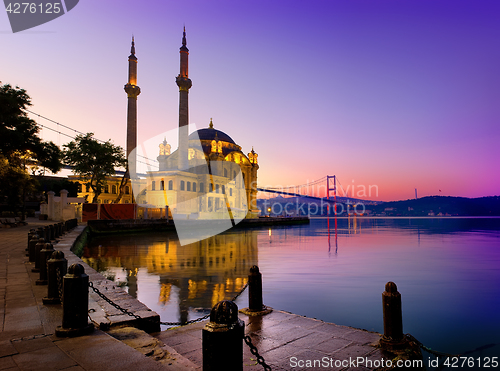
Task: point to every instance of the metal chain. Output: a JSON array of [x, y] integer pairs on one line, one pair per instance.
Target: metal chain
[[59, 284], [255, 352], [435, 352], [125, 311]]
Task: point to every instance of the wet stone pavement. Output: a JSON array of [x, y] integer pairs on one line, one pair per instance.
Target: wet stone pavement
[[287, 341], [27, 341]]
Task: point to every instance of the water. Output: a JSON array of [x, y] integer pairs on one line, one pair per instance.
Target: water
[[447, 271]]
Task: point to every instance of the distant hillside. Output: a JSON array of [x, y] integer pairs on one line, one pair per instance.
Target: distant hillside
[[425, 206], [445, 205]]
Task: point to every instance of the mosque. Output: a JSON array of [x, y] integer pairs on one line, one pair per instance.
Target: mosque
[[207, 176]]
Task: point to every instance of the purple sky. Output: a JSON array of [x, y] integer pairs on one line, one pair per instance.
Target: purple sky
[[397, 94]]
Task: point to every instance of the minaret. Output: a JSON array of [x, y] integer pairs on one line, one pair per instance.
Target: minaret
[[184, 84], [132, 91]]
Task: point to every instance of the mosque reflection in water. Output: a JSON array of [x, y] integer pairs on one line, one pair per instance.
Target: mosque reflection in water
[[204, 272]]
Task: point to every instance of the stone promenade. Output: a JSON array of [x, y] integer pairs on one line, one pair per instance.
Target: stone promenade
[[27, 341]]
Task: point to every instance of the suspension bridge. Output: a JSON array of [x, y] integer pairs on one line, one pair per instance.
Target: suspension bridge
[[331, 182]]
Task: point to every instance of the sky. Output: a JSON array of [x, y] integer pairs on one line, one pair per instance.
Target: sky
[[388, 95]]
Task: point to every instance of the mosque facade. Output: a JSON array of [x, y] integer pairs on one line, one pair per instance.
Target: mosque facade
[[206, 176]]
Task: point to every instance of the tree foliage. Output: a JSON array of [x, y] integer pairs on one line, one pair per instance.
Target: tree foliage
[[93, 161], [21, 149]]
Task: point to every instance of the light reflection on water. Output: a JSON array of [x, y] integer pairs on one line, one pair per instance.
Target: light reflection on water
[[447, 271]]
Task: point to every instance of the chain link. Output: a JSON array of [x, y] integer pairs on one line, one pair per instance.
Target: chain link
[[435, 352], [59, 284], [125, 311], [255, 352]]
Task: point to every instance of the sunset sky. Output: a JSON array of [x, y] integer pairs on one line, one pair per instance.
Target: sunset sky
[[397, 94]]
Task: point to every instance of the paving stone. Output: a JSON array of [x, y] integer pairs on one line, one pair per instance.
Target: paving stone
[[29, 345], [6, 362], [44, 359], [331, 345]]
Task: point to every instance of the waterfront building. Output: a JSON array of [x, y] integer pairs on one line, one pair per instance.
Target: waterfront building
[[207, 177]]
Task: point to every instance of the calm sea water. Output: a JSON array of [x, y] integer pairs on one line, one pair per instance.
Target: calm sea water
[[446, 269]]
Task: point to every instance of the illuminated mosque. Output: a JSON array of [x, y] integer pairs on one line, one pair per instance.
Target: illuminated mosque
[[207, 174], [183, 177]]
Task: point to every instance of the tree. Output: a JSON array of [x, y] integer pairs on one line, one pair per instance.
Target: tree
[[93, 161], [21, 149]]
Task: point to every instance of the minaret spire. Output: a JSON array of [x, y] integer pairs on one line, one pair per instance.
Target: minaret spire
[[184, 84], [132, 91], [132, 48]]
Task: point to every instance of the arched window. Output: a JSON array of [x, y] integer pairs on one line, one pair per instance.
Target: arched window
[[182, 185], [113, 189], [202, 187], [106, 189], [162, 185], [211, 187], [216, 188], [170, 185], [230, 191], [223, 190], [153, 185], [225, 173], [188, 188], [127, 190], [194, 187]]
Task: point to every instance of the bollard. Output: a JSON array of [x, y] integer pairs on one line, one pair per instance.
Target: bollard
[[61, 229], [31, 247], [45, 255], [38, 247], [30, 236], [57, 266], [46, 233], [393, 337], [52, 232], [222, 338], [256, 306], [75, 303]]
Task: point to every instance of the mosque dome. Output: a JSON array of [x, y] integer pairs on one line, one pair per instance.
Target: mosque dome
[[211, 134]]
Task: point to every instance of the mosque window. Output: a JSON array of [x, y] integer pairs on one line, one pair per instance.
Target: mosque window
[[127, 190], [188, 186], [202, 187], [182, 185], [162, 185], [216, 188], [223, 190], [113, 190], [225, 173], [106, 189], [230, 191], [194, 187], [153, 185], [170, 185], [211, 187]]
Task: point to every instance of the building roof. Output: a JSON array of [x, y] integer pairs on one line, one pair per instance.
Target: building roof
[[210, 134]]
